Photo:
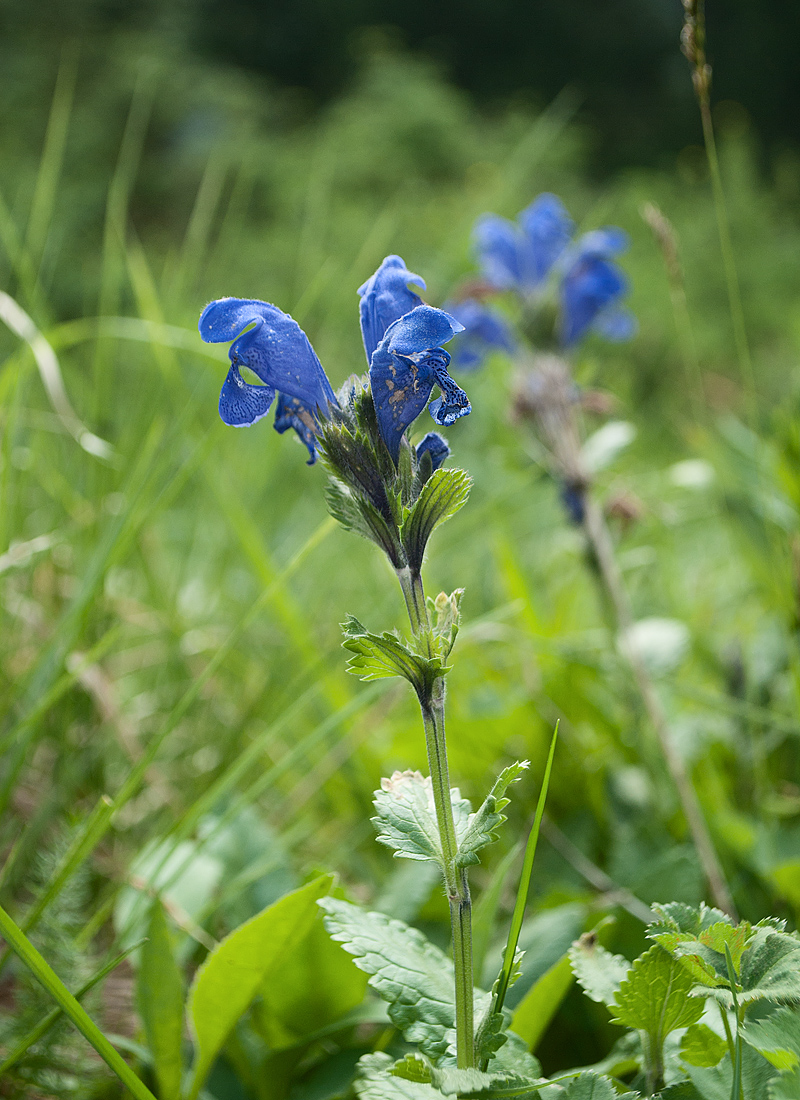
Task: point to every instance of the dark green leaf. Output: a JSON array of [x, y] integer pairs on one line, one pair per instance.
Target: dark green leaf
[[406, 818], [441, 497], [714, 1083], [482, 825], [356, 514]]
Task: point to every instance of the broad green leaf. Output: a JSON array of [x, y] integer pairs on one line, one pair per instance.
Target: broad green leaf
[[704, 953], [356, 514], [681, 1090], [715, 1082], [378, 656], [590, 1087], [406, 817], [770, 970], [701, 1046], [413, 976], [228, 981], [535, 1011], [483, 823], [159, 998], [597, 971], [785, 1087], [463, 1082], [308, 990], [675, 916], [441, 497], [654, 997], [375, 1082], [777, 1037]]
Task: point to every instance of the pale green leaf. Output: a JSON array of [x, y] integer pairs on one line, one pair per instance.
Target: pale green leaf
[[228, 981], [777, 1037], [535, 1011], [441, 497], [654, 997], [159, 998], [463, 1082], [597, 971], [413, 976], [700, 1046], [590, 1087], [406, 817], [785, 1087], [375, 1082], [377, 656], [482, 824], [770, 970], [704, 953]]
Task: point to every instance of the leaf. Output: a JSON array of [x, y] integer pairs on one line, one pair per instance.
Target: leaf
[[463, 1082], [356, 514], [374, 1082], [406, 818], [441, 497], [307, 990], [701, 1046], [590, 1087], [413, 976], [227, 982], [785, 1087], [654, 997], [597, 971], [770, 970], [715, 1083], [777, 1037], [536, 1010], [378, 656], [159, 999], [483, 823], [704, 953]]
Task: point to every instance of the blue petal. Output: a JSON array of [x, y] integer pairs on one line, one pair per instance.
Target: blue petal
[[497, 243], [589, 286], [484, 330], [276, 349], [422, 329], [241, 403], [616, 323], [292, 413], [602, 243], [453, 403], [385, 298], [548, 230], [436, 446]]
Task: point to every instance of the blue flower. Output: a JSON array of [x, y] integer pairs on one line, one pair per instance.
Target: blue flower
[[592, 286], [278, 352], [436, 446], [484, 331], [385, 297], [406, 364], [521, 256]]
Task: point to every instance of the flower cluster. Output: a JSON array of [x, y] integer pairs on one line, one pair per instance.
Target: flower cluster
[[538, 259], [403, 341]]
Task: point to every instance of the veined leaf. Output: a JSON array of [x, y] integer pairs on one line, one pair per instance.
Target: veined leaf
[[597, 971], [463, 1082], [777, 1037], [590, 1087], [377, 656], [441, 497], [704, 953], [701, 1046], [654, 997], [413, 976], [227, 982], [356, 514], [159, 997], [481, 828], [374, 1082], [406, 817]]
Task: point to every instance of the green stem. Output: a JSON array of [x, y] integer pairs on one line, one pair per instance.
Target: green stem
[[41, 970], [455, 878]]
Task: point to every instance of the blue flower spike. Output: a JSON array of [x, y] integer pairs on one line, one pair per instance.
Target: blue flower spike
[[385, 298], [520, 256], [279, 353], [406, 365]]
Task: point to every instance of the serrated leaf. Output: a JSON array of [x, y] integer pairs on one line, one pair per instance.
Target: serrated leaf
[[597, 971], [379, 656], [654, 997], [715, 1082], [482, 824], [471, 1082], [770, 970], [700, 1046], [704, 953], [406, 817], [675, 916], [356, 514], [227, 982], [441, 497], [777, 1037], [160, 1001], [590, 1087], [413, 976]]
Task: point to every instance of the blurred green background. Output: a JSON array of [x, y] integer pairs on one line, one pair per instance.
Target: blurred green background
[[169, 616]]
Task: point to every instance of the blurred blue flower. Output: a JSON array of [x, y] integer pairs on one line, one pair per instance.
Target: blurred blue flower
[[521, 256], [385, 297], [484, 331], [405, 365], [278, 352], [592, 286]]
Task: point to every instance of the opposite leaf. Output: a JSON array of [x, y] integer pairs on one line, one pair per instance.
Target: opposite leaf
[[441, 497], [406, 817], [378, 656], [481, 828]]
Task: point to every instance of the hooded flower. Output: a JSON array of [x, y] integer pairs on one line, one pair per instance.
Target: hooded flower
[[278, 352], [592, 286], [485, 330], [385, 297], [520, 256]]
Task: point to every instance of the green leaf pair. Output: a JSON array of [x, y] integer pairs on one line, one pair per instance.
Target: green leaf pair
[[380, 655]]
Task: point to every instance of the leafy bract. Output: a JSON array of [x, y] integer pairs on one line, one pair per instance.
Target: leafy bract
[[597, 971], [700, 1046], [654, 997], [160, 1002], [441, 497], [381, 655], [483, 823], [228, 981], [406, 817], [413, 976]]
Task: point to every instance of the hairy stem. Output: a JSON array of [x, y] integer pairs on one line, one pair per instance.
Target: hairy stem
[[455, 878], [610, 578]]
